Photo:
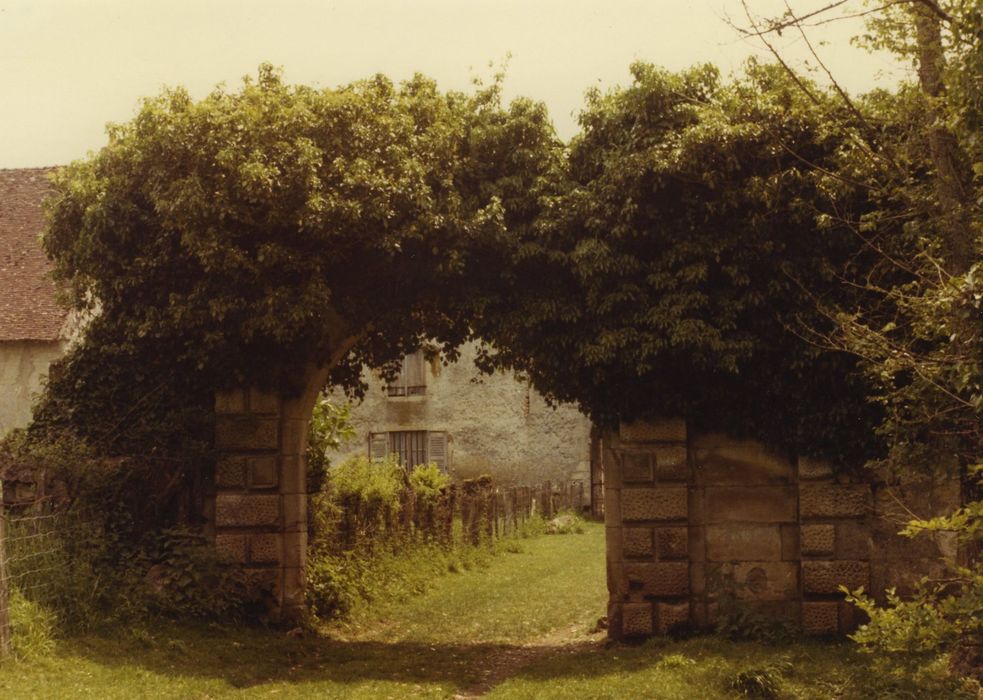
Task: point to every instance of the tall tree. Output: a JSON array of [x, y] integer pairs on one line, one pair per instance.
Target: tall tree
[[927, 358]]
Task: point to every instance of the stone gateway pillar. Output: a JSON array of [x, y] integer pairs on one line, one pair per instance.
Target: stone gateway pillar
[[701, 522], [259, 518]]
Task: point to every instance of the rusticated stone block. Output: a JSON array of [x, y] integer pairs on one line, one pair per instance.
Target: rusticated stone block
[[294, 436], [752, 504], [263, 580], [636, 467], [811, 469], [850, 617], [636, 619], [671, 616], [660, 503], [669, 430], [230, 472], [697, 508], [233, 401], [697, 578], [904, 576], [617, 581], [638, 541], [611, 465], [826, 577], [818, 540], [671, 463], [790, 542], [294, 511], [294, 547], [612, 505], [697, 549], [262, 471], [830, 500], [663, 579], [744, 543], [246, 510], [614, 546], [263, 401], [294, 583], [766, 580], [723, 460], [821, 617], [265, 548], [293, 475], [672, 542], [853, 540], [888, 544], [698, 614], [245, 433], [231, 549]]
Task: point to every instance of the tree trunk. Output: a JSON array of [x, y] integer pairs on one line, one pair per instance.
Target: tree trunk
[[951, 174]]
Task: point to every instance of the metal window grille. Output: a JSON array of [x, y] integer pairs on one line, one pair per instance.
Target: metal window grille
[[410, 446]]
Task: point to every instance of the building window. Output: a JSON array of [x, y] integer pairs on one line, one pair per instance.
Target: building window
[[412, 378], [411, 447]]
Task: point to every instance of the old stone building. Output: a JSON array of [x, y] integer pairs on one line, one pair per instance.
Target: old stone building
[[34, 329], [470, 424]]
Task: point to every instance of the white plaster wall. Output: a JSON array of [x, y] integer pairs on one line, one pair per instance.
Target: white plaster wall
[[495, 424], [23, 366]]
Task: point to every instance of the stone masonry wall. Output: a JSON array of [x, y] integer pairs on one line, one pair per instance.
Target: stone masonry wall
[[23, 368], [495, 424], [693, 516], [259, 518]]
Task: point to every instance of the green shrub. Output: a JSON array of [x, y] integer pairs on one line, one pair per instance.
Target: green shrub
[[740, 618], [761, 681], [937, 618], [429, 484], [32, 627], [367, 493], [330, 429], [533, 526], [90, 557], [186, 578]]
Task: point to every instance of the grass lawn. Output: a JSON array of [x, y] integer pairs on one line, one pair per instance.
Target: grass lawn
[[517, 628]]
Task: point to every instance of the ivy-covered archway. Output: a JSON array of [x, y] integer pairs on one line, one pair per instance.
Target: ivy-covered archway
[[677, 259]]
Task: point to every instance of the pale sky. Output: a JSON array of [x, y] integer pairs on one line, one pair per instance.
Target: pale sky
[[67, 67]]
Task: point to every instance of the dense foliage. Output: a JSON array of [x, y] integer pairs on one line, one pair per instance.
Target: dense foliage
[[246, 235], [688, 255], [763, 256], [921, 341]]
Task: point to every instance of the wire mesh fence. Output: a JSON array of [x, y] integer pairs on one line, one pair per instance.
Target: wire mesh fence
[[41, 537], [31, 551]]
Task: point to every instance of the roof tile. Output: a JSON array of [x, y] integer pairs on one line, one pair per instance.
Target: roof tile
[[28, 309]]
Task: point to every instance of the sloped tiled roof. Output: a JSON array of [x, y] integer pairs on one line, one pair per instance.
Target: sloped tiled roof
[[28, 310]]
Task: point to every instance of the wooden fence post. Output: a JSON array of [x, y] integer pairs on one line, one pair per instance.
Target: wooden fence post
[[5, 641]]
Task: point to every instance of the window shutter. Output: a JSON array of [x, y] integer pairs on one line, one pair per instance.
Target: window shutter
[[437, 449], [378, 446], [415, 373]]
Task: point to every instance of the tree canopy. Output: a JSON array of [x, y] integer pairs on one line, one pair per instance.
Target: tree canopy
[[692, 251], [280, 225], [681, 257]]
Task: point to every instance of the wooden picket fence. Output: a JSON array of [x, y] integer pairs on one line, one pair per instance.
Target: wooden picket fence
[[488, 512], [475, 511]]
